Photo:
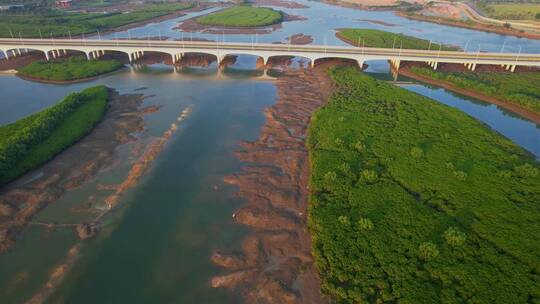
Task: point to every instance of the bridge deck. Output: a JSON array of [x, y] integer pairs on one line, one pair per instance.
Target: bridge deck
[[265, 50]]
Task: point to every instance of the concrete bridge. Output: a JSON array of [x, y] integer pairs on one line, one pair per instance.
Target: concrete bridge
[[134, 49]]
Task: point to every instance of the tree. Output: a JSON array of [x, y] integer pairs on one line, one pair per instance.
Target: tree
[[428, 251]]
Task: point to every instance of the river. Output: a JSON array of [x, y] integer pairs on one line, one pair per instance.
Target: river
[[155, 248]]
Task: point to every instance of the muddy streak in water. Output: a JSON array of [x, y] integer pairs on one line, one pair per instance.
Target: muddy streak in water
[[300, 39], [138, 169], [275, 264], [22, 199]]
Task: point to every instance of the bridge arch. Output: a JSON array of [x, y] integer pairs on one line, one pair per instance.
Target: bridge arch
[[281, 60], [202, 59]]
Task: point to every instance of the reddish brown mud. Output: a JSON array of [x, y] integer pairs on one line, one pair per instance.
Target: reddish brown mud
[[275, 264], [299, 39], [23, 198]]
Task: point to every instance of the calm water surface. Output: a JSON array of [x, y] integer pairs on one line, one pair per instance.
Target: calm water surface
[[156, 247]]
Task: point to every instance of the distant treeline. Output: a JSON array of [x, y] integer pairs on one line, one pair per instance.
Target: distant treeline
[[519, 88], [51, 22]]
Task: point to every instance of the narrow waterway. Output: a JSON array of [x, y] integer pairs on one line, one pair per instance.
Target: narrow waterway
[[155, 248]]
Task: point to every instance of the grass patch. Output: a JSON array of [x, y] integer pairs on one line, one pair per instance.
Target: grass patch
[[242, 16], [518, 88], [383, 39], [57, 23], [34, 140], [71, 69], [514, 11], [413, 201]]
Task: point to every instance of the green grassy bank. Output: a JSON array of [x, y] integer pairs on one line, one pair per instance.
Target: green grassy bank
[[416, 202], [34, 140], [383, 39], [57, 23], [242, 16], [518, 88], [73, 68]]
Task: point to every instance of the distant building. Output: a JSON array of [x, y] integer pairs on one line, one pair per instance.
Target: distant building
[[64, 3]]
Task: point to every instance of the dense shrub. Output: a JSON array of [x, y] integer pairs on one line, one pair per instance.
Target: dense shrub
[[436, 208], [32, 141], [242, 16], [71, 69], [384, 39]]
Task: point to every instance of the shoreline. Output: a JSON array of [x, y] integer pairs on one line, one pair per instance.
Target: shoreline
[[517, 109], [191, 26], [61, 82], [23, 198], [375, 8], [274, 183], [476, 26], [177, 14]]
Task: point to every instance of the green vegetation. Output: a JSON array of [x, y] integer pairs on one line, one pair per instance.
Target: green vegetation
[[242, 16], [71, 69], [518, 88], [57, 23], [383, 39], [514, 11], [416, 202], [32, 141]]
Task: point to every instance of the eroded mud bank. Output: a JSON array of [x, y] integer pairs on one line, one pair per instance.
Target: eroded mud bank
[[21, 200], [275, 264]]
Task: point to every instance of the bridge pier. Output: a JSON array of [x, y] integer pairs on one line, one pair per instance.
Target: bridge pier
[[395, 63], [265, 60]]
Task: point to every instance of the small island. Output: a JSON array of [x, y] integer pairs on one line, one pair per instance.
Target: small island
[[383, 39], [73, 69], [242, 16], [34, 140], [412, 199]]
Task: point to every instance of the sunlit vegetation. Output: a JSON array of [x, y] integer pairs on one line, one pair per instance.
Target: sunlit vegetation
[[383, 39], [519, 88], [416, 202], [73, 68], [242, 16], [514, 11], [32, 141], [62, 24]]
